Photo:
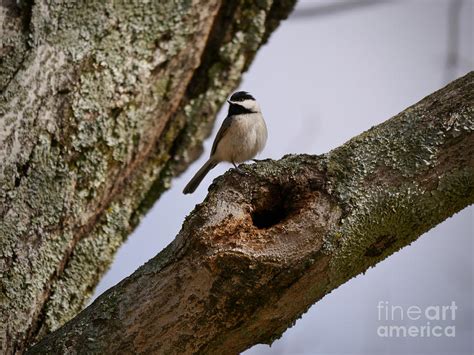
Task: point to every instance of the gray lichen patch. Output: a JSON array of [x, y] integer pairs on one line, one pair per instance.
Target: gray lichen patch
[[75, 285], [15, 18], [395, 180], [44, 195]]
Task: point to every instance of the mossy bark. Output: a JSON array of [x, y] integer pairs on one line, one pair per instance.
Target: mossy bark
[[102, 103], [264, 246]]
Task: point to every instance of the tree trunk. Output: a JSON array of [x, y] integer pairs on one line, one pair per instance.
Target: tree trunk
[[102, 103], [264, 246]]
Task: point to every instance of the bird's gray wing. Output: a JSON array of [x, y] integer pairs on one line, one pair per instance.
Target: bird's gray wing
[[225, 126]]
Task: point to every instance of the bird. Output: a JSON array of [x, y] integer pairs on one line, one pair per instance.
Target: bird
[[243, 134]]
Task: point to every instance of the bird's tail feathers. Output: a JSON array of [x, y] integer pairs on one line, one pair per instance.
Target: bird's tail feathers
[[197, 178]]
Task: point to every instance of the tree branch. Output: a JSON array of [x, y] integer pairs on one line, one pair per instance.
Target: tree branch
[[262, 248]]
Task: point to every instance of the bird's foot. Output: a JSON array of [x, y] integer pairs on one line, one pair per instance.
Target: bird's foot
[[240, 171]]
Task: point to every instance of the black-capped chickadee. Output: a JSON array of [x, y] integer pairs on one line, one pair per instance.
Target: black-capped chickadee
[[242, 135]]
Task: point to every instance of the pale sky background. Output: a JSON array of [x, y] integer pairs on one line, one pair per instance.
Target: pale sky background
[[321, 80]]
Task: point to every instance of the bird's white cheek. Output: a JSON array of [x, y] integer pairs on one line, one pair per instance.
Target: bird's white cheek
[[250, 105]]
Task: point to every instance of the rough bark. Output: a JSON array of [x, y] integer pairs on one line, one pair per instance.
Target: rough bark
[[102, 102], [265, 246]]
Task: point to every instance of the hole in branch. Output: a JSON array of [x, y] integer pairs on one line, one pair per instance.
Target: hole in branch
[[267, 218], [270, 209]]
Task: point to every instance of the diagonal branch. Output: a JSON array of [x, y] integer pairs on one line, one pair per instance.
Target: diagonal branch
[[263, 248]]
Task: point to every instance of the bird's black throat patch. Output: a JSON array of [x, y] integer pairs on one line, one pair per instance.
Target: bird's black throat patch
[[236, 109]]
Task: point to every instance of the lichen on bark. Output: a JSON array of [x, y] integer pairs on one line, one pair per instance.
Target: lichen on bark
[[396, 164], [103, 103]]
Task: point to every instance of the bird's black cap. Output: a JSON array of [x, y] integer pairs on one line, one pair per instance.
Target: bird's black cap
[[241, 96]]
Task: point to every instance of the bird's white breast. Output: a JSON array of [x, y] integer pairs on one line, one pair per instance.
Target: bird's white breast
[[243, 140]]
